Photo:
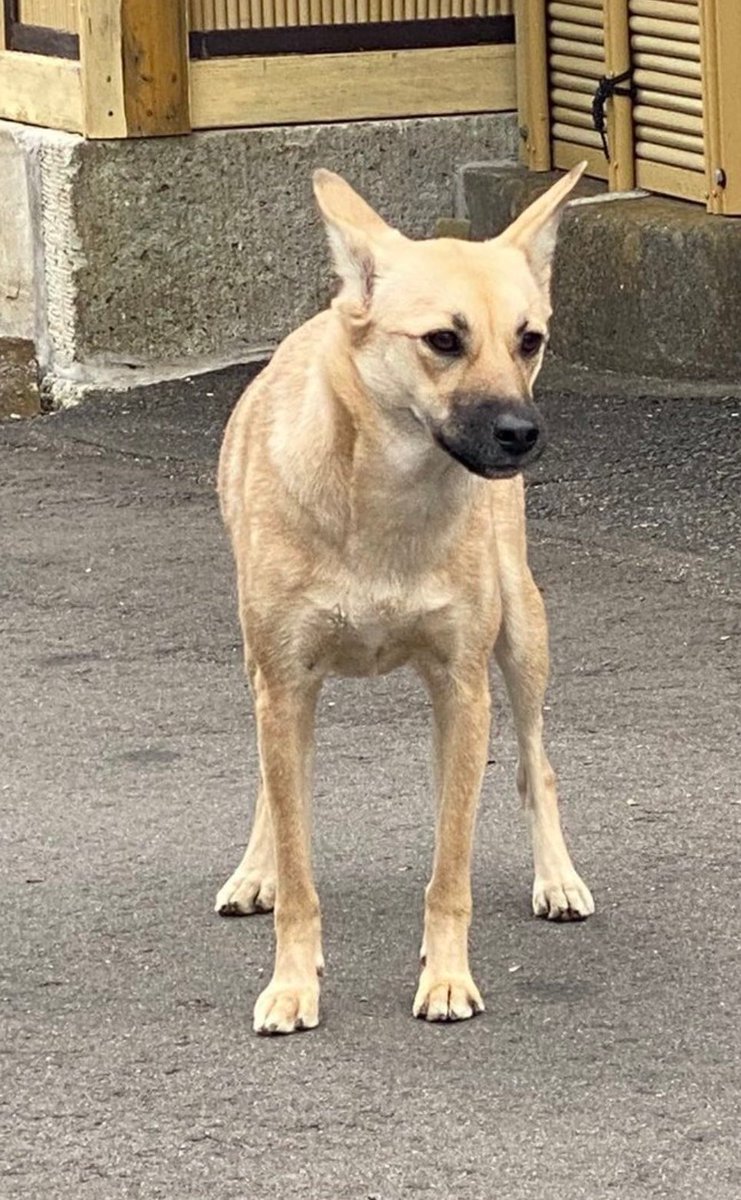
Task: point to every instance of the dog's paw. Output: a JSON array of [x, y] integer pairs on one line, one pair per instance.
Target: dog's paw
[[564, 899], [246, 892], [290, 1009], [446, 997]]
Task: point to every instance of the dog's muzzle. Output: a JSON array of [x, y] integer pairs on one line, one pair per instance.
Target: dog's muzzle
[[491, 437]]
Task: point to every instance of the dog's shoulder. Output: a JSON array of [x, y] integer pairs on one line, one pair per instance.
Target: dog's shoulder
[[286, 371], [268, 411]]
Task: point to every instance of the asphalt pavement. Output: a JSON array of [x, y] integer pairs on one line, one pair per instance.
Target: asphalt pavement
[[607, 1062]]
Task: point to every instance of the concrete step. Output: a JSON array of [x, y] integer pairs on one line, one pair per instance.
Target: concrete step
[[642, 285]]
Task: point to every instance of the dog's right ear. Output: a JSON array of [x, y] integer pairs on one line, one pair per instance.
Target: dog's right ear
[[354, 232]]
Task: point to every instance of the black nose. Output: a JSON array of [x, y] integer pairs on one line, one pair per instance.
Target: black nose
[[492, 436], [517, 434]]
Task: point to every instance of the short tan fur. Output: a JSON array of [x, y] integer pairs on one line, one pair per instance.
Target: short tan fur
[[370, 481]]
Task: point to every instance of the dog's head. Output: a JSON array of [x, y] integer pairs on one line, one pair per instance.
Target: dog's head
[[449, 333]]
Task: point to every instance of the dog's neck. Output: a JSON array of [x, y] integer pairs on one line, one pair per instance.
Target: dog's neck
[[404, 498]]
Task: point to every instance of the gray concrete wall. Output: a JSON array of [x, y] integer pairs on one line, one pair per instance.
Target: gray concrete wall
[[17, 301], [171, 255]]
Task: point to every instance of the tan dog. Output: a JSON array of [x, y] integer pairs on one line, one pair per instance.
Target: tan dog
[[369, 480]]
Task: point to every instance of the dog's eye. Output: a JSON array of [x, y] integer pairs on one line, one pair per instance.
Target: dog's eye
[[444, 341], [530, 342]]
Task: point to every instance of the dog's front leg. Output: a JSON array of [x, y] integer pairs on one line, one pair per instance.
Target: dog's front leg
[[285, 728], [461, 713]]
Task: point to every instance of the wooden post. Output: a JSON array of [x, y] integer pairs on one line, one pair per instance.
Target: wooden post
[[532, 83], [134, 60], [621, 169], [720, 51], [520, 77]]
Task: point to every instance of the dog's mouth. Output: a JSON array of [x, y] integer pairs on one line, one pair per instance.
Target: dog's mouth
[[492, 438], [475, 463]]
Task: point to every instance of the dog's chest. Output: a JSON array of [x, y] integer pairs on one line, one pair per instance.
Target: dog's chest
[[372, 633]]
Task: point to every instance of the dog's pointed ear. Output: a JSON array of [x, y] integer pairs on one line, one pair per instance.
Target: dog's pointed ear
[[534, 232], [354, 232]]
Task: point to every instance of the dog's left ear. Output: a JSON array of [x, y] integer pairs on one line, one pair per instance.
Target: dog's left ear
[[355, 234], [534, 232]]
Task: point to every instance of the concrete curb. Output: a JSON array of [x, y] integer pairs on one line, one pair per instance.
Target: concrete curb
[[557, 377]]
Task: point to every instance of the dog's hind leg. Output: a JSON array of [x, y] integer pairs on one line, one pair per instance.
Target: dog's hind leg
[[522, 654], [251, 888]]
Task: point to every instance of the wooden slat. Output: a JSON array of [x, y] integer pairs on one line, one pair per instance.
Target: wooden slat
[[672, 31], [672, 101], [668, 10], [644, 44], [668, 118], [577, 66], [682, 67], [574, 13], [578, 83], [671, 155], [38, 90], [562, 115], [559, 45], [652, 135], [589, 34], [663, 83], [570, 98], [334, 87], [576, 134]]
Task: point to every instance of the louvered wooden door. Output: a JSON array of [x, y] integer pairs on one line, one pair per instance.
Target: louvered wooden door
[[576, 63], [667, 112], [678, 132]]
